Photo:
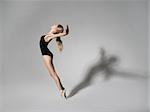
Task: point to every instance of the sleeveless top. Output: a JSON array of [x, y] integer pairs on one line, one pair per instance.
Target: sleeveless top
[[43, 46]]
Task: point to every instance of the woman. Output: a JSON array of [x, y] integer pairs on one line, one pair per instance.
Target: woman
[[56, 32]]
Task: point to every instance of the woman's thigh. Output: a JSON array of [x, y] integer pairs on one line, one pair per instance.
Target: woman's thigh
[[49, 64]]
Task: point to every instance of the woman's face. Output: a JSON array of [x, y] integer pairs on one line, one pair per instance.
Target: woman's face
[[54, 28]]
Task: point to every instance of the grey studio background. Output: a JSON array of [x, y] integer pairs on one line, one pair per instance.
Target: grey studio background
[[104, 64]]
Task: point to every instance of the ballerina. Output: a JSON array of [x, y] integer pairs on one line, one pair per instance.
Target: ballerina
[[56, 32]]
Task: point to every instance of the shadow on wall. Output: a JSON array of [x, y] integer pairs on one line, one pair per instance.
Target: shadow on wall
[[106, 64]]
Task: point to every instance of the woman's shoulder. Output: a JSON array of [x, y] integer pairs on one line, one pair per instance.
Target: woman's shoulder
[[43, 35]]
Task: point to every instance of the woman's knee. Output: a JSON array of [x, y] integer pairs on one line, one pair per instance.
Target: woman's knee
[[56, 78]]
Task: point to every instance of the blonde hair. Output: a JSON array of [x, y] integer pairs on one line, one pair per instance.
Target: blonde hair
[[59, 44], [58, 40]]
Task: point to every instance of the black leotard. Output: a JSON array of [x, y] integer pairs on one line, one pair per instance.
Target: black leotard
[[43, 46]]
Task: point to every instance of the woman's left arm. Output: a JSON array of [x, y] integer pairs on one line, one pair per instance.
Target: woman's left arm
[[58, 35], [61, 34]]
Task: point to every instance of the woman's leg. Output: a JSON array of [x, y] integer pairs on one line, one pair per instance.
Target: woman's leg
[[48, 61]]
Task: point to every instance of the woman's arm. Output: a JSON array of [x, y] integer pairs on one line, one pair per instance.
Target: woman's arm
[[58, 35], [61, 34]]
